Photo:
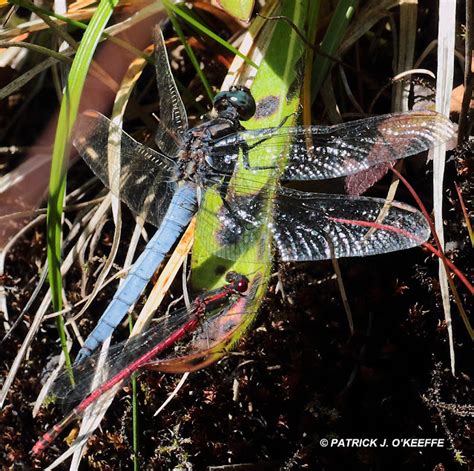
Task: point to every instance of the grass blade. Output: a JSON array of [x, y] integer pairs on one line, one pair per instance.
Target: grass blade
[[57, 183], [332, 39]]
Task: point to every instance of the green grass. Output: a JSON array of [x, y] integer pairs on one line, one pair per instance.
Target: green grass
[[57, 181]]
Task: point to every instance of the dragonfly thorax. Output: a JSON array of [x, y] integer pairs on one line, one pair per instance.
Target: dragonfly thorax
[[230, 107], [194, 158]]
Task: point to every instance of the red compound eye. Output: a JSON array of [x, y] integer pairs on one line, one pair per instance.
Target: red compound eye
[[242, 285]]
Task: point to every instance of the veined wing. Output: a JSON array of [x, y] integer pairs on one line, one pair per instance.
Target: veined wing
[[321, 152], [146, 177], [117, 358], [173, 117], [200, 320], [313, 226]]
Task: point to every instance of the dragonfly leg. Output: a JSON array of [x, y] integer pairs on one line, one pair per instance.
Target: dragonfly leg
[[286, 118]]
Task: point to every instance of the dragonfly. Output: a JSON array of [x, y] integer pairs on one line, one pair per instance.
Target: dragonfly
[[140, 351], [165, 186]]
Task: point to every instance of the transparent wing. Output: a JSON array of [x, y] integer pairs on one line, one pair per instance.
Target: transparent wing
[[173, 118], [231, 228], [312, 226], [164, 341], [115, 360], [146, 177], [321, 152]]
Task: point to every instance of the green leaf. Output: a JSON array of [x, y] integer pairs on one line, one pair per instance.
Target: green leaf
[[240, 9], [67, 117], [276, 91], [332, 40]]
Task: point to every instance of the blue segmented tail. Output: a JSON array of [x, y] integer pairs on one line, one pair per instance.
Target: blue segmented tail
[[181, 210]]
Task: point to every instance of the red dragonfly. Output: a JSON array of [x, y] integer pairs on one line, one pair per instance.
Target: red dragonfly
[[127, 357]]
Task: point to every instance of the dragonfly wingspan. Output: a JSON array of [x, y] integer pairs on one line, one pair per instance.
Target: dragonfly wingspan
[[140, 168], [304, 226], [323, 152]]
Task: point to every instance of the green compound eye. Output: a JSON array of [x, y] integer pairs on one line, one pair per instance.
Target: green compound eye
[[239, 99]]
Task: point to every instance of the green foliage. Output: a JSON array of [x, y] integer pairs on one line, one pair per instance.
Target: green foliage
[[57, 183], [241, 9], [277, 84]]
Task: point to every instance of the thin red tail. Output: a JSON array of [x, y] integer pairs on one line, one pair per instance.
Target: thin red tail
[[52, 433]]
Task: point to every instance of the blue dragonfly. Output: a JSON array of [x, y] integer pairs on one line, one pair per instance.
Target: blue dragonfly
[[165, 186]]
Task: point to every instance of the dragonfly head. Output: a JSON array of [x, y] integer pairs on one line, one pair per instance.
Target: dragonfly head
[[240, 283], [237, 102]]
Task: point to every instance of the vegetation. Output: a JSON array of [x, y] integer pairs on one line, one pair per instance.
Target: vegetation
[[355, 348]]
